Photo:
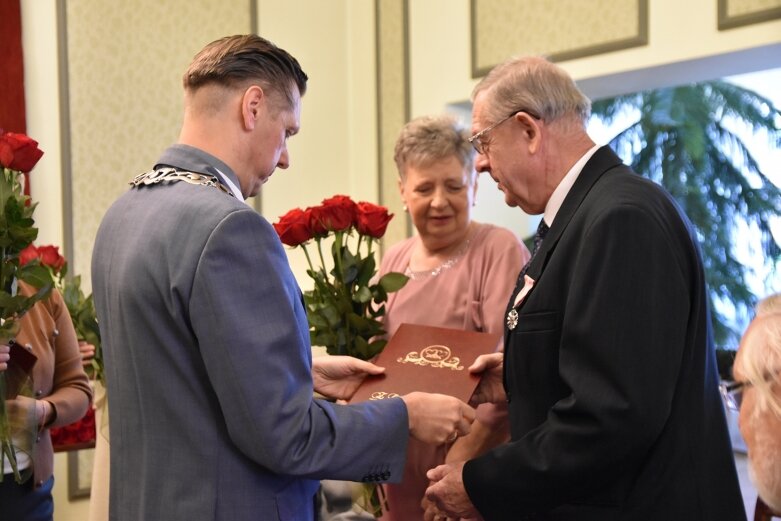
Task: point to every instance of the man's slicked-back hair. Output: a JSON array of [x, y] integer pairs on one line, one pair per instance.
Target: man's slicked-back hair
[[240, 60]]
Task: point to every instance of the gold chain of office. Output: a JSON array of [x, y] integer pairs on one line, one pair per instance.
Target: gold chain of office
[[172, 175]]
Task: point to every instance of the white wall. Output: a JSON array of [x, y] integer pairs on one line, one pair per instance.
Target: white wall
[[335, 151], [39, 41]]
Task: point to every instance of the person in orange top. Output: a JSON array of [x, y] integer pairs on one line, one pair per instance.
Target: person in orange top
[[62, 395]]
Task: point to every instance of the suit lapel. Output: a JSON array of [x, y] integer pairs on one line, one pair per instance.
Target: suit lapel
[[603, 160]]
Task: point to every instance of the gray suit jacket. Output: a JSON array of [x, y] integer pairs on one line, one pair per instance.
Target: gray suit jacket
[[208, 364]]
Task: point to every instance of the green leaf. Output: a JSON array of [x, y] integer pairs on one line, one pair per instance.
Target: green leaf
[[363, 295], [366, 271], [393, 281], [332, 316], [317, 321], [677, 139], [345, 268], [375, 348], [379, 294], [36, 275]]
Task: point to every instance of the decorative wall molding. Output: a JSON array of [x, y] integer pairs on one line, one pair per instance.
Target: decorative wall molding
[[737, 13], [120, 109], [393, 106], [561, 30]]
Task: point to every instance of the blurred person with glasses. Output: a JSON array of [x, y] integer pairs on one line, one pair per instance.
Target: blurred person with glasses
[[757, 392]]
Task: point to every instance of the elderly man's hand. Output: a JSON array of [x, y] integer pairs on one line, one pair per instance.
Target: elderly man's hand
[[491, 386], [447, 492], [432, 513]]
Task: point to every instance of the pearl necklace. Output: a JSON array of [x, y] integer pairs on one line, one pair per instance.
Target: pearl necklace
[[449, 263]]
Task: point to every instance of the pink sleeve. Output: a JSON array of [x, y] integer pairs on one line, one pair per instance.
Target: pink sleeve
[[505, 255]]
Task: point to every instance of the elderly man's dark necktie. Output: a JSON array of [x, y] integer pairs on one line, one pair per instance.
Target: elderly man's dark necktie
[[539, 236]]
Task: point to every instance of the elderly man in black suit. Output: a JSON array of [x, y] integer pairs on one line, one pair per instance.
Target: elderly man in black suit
[[609, 368]]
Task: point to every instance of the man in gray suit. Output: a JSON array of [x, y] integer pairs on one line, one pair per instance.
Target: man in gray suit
[[206, 341]]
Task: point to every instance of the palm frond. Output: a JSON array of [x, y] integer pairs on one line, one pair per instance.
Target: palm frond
[[682, 141]]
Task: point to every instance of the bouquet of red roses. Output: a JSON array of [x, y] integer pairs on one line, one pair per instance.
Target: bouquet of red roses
[[345, 304], [18, 154]]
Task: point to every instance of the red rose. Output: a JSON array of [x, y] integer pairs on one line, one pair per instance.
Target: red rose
[[337, 213], [28, 254], [293, 227], [50, 257], [372, 220], [19, 152], [316, 221]]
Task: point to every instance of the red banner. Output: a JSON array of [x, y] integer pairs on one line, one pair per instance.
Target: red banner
[[12, 116], [12, 111]]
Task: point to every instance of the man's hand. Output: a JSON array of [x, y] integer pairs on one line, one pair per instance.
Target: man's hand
[[447, 492], [491, 386], [5, 356], [436, 418], [432, 513], [338, 377]]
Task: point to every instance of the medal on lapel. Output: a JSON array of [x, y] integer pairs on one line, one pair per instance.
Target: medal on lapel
[[512, 319], [512, 315]]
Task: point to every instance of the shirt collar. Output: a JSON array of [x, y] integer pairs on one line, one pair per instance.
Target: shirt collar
[[228, 181], [196, 160], [561, 191]]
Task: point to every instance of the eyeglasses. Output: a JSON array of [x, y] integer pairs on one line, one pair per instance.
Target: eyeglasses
[[732, 392], [477, 140]]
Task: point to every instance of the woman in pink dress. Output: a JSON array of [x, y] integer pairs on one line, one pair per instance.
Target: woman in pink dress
[[461, 276]]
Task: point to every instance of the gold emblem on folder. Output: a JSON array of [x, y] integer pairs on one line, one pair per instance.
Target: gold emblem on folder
[[381, 395], [437, 356]]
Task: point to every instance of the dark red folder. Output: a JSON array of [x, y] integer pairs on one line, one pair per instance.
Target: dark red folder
[[429, 359]]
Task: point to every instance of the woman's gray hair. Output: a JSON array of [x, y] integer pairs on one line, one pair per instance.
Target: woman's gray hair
[[429, 139], [536, 85]]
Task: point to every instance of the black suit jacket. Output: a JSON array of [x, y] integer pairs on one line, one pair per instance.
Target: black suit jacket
[[610, 373]]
